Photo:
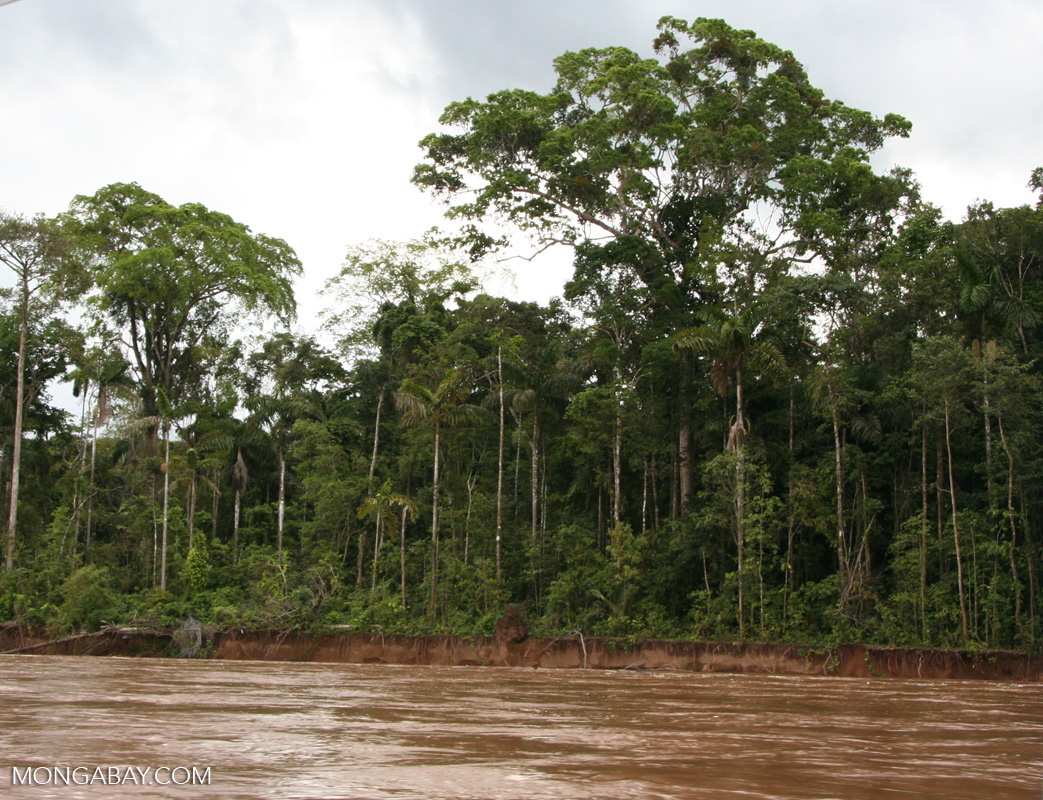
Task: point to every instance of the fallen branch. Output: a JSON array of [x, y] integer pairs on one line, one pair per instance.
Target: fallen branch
[[75, 637]]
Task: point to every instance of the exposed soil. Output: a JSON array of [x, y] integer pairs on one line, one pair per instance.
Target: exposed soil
[[512, 648]]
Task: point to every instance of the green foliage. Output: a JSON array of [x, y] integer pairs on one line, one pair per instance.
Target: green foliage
[[703, 438], [88, 600]]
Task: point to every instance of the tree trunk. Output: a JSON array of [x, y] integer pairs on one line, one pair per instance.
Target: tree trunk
[[192, 508], [684, 440], [839, 469], [235, 523], [166, 506], [402, 551], [791, 527], [282, 497], [376, 434], [534, 478], [376, 551], [655, 494], [499, 467], [1013, 530], [90, 489], [617, 464], [16, 452], [740, 496], [924, 523], [955, 526], [434, 522]]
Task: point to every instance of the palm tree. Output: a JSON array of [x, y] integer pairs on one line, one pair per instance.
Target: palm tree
[[446, 405], [234, 436], [277, 415], [379, 505], [734, 343]]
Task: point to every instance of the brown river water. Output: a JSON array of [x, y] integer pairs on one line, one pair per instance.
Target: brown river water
[[317, 731]]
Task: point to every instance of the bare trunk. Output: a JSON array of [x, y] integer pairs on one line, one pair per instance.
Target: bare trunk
[[839, 470], [434, 522], [792, 527], [376, 551], [1013, 529], [655, 494], [987, 414], [166, 505], [16, 452], [740, 497], [376, 434], [499, 468], [684, 439], [90, 488], [192, 509], [617, 464], [924, 523], [534, 479], [955, 526], [644, 496], [235, 522], [402, 552], [282, 497]]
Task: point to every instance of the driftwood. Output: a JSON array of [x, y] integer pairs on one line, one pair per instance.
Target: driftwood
[[63, 640], [108, 630]]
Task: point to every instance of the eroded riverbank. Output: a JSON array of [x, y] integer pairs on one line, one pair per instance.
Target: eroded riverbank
[[567, 652]]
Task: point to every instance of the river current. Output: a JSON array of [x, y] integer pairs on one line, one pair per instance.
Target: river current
[[324, 731]]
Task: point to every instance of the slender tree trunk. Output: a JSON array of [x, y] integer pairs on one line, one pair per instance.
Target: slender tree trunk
[[655, 494], [740, 496], [534, 479], [215, 499], [987, 414], [838, 453], [792, 526], [360, 561], [166, 506], [1013, 530], [674, 497], [684, 439], [617, 464], [16, 452], [644, 495], [402, 551], [499, 467], [924, 524], [235, 523], [376, 552], [939, 478], [155, 529], [434, 521], [192, 508], [376, 434], [955, 525], [90, 488], [282, 497]]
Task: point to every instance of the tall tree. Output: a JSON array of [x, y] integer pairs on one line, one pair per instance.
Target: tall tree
[[36, 251], [672, 155], [170, 277]]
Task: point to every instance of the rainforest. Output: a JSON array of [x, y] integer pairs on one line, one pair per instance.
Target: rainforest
[[782, 397]]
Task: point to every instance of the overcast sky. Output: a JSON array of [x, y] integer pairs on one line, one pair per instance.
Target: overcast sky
[[300, 118]]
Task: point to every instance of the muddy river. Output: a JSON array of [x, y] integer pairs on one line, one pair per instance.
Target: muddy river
[[80, 727]]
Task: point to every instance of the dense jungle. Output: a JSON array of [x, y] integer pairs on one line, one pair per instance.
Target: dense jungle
[[782, 398]]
